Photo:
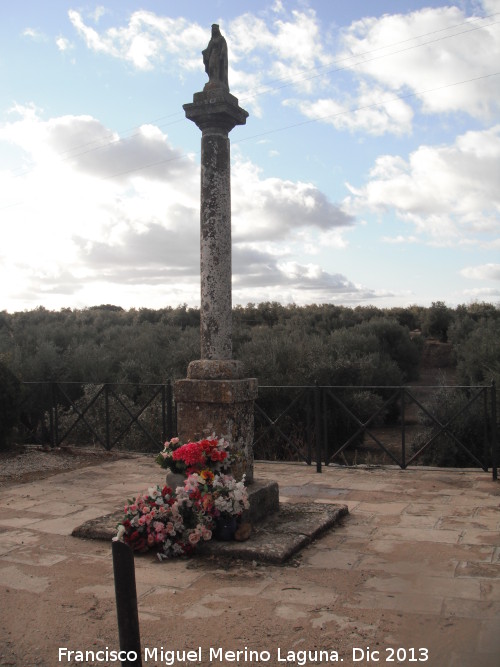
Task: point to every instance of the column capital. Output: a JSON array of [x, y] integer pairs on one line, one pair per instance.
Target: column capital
[[215, 108]]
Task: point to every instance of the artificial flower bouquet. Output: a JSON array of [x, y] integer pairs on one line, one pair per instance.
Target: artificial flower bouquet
[[217, 495], [164, 519], [177, 521], [210, 453]]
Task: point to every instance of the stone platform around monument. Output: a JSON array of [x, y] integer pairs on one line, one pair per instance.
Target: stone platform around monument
[[275, 537]]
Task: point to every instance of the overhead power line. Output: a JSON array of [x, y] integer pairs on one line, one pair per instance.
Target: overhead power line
[[367, 106], [82, 149], [289, 81], [315, 120], [283, 128]]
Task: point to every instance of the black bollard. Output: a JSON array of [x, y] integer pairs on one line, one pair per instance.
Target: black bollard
[[126, 604]]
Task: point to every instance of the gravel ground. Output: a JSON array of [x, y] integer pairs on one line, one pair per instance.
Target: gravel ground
[[24, 464]]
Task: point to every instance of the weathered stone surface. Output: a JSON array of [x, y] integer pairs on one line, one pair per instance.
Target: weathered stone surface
[[215, 251], [215, 108], [216, 61], [283, 534], [215, 391], [215, 113], [205, 403], [102, 528], [215, 369], [264, 498], [223, 407], [274, 540]]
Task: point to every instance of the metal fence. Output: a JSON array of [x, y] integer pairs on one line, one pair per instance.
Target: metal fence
[[137, 416], [403, 426], [323, 424]]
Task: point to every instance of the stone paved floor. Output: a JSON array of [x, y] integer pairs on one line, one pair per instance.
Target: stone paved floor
[[415, 565]]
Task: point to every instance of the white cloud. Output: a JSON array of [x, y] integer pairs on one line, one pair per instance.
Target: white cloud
[[35, 34], [372, 111], [111, 225], [146, 40], [449, 193], [63, 44], [272, 208], [99, 12], [483, 272], [390, 56], [433, 59], [399, 239], [484, 293], [296, 42], [416, 64], [275, 47], [265, 277]]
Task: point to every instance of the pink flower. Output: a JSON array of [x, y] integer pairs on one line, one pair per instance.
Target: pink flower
[[194, 538]]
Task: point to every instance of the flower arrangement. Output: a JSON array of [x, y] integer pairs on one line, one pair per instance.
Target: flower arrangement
[[218, 495], [177, 521], [210, 453], [165, 519]]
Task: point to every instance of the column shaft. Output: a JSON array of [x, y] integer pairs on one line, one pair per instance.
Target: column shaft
[[215, 251]]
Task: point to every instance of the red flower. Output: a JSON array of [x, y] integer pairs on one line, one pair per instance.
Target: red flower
[[190, 454], [207, 445], [216, 455], [195, 495]]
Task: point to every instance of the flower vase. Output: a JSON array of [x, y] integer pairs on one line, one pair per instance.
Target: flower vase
[[175, 479], [225, 528]]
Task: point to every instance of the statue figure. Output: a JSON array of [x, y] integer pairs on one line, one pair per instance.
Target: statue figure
[[215, 60]]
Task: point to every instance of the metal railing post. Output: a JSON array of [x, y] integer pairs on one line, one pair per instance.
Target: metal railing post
[[56, 419], [106, 412], [308, 429], [163, 415], [126, 604], [51, 414], [494, 441], [325, 426], [170, 410], [317, 425], [403, 428]]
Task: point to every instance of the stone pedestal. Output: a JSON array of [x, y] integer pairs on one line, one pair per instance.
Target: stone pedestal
[[224, 407]]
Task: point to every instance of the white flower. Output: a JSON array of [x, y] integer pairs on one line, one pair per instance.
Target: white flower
[[120, 533]]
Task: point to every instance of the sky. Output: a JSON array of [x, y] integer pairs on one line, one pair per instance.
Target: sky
[[368, 171]]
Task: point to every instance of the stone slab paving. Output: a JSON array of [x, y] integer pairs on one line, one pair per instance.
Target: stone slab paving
[[415, 565]]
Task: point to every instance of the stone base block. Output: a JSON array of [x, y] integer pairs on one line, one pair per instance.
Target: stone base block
[[281, 535], [274, 540], [224, 407], [216, 369], [264, 500]]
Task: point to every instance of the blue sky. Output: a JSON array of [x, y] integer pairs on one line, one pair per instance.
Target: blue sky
[[367, 172]]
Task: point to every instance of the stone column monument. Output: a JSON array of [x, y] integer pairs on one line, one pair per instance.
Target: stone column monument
[[216, 397]]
